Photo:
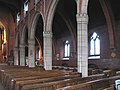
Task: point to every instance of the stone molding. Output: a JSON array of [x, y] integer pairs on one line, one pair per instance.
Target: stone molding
[[47, 34]]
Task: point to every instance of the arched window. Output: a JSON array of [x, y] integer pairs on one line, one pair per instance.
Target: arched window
[[94, 46], [18, 17], [25, 7], [66, 49]]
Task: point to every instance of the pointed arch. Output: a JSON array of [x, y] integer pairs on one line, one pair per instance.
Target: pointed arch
[[94, 46], [33, 27], [109, 19], [23, 34], [71, 28], [50, 16]]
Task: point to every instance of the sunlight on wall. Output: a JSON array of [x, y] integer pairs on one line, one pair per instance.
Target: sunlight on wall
[[4, 36], [3, 41]]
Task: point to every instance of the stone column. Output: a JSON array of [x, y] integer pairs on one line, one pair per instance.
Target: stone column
[[82, 44], [31, 53], [47, 50], [22, 55], [16, 54]]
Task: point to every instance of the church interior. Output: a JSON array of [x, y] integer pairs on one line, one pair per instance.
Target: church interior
[[59, 45]]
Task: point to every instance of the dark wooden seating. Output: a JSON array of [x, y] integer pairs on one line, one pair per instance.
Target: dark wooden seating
[[100, 84], [24, 78], [43, 80], [57, 84], [91, 85], [109, 73], [14, 76]]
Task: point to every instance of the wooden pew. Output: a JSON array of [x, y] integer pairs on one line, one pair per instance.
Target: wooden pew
[[10, 78], [39, 79], [10, 71], [33, 75], [44, 80], [112, 87], [100, 84], [56, 84], [109, 73], [33, 78], [4, 70], [8, 75], [92, 85], [23, 78]]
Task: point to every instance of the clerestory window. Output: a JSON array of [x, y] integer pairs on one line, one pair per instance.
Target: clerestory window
[[25, 7], [18, 17]]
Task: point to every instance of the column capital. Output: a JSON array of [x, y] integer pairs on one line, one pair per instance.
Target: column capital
[[83, 17], [47, 34]]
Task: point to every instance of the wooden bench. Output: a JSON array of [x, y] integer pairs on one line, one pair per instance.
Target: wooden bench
[[15, 70], [23, 78], [11, 71], [11, 77], [109, 73], [100, 84], [112, 87], [33, 75], [92, 85], [56, 84], [44, 80]]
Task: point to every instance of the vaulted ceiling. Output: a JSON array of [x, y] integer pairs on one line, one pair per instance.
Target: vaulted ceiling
[[13, 6], [94, 9]]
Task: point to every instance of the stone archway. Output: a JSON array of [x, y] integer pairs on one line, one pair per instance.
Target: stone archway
[[82, 21], [32, 31], [23, 43], [64, 28], [48, 36], [82, 47], [110, 20], [32, 40]]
